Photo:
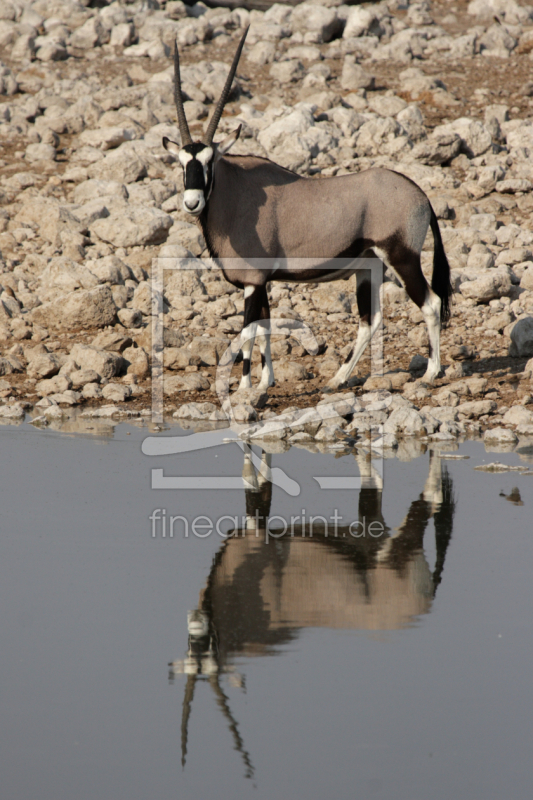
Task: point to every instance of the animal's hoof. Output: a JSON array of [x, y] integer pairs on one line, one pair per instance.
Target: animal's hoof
[[332, 388]]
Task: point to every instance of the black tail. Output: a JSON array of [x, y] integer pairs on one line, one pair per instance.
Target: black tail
[[440, 282]]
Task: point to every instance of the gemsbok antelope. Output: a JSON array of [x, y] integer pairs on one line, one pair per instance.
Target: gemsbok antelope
[[260, 220]]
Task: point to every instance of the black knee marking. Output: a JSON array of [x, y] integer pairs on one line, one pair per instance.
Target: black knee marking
[[256, 306], [263, 360], [430, 350], [364, 301], [349, 356]]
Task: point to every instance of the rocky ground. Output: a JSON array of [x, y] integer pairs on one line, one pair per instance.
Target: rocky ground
[[440, 91]]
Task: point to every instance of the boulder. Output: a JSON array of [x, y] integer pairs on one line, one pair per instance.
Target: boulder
[[50, 218], [107, 138], [502, 435], [119, 165], [488, 287], [93, 308], [518, 415], [186, 383], [105, 363], [116, 392], [12, 411], [290, 371], [354, 77], [405, 421], [138, 225], [195, 411], [208, 350], [82, 377], [43, 366], [137, 361], [475, 138], [361, 22], [319, 23], [438, 149], [287, 71], [55, 385], [68, 275], [477, 408]]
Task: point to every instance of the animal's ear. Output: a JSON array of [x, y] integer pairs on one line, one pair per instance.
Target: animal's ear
[[172, 147], [225, 146]]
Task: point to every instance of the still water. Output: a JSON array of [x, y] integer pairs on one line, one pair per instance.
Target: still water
[[380, 648]]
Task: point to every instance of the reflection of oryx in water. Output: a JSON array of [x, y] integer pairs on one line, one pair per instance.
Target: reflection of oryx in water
[[262, 590]]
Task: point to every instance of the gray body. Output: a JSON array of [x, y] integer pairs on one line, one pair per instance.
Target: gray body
[[260, 210], [262, 223]]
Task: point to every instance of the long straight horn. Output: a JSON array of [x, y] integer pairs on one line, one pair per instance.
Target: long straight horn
[[178, 99], [215, 119]]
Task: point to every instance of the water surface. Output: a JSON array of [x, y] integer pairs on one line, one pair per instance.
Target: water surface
[[388, 665]]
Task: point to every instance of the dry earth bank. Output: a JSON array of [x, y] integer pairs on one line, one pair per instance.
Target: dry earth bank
[[440, 91]]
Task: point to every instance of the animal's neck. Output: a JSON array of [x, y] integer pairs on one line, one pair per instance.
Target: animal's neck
[[212, 220]]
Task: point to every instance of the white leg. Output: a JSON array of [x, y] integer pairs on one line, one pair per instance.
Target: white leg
[[433, 487], [364, 335], [264, 474], [370, 476], [431, 312], [249, 474], [267, 374]]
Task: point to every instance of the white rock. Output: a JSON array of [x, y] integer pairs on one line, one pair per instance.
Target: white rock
[[438, 149], [68, 275], [362, 22], [103, 362], [55, 385], [500, 435], [81, 377], [107, 138], [81, 309], [488, 287], [195, 411], [51, 218], [476, 139], [354, 76], [287, 71], [322, 24], [40, 152], [298, 121], [43, 366], [116, 392], [123, 166], [122, 35], [406, 421], [91, 34], [518, 415], [513, 185], [262, 53], [137, 226], [12, 411]]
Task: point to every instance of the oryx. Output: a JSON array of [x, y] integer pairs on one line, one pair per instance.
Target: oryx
[[260, 220]]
